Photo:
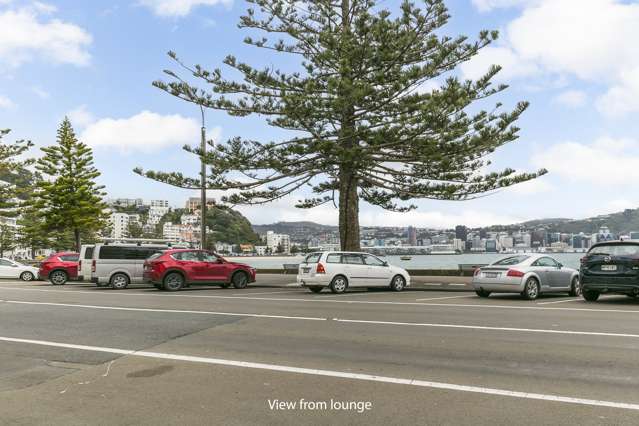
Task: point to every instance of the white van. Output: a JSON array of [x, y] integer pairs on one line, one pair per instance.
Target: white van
[[84, 263], [118, 265]]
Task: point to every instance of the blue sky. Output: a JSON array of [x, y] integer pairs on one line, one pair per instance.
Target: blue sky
[[576, 61]]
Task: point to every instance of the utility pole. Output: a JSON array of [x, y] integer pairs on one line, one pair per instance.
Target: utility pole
[[203, 186]]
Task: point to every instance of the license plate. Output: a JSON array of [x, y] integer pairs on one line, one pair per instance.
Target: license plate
[[608, 267], [491, 274]]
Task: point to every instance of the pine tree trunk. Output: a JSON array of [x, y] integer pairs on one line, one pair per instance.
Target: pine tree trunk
[[348, 211], [76, 234]]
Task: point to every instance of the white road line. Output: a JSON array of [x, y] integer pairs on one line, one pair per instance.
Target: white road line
[[266, 292], [435, 284], [458, 285], [479, 327], [333, 373], [558, 301], [443, 298], [173, 311], [323, 300]]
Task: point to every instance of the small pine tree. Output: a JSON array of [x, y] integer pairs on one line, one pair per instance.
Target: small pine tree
[[68, 197], [31, 232]]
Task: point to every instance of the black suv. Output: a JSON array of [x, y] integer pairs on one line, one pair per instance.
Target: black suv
[[611, 267]]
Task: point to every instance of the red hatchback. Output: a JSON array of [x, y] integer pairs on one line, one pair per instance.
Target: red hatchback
[[59, 267], [174, 269]]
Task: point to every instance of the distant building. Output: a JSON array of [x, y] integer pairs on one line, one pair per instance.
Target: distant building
[[412, 236], [190, 219], [634, 235], [156, 213], [276, 241], [119, 223], [194, 203], [159, 203], [491, 246], [604, 234]]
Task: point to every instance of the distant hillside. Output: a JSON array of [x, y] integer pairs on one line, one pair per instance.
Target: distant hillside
[[619, 223], [294, 228]]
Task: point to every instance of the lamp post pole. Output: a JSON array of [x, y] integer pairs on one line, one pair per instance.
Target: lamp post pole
[[203, 186]]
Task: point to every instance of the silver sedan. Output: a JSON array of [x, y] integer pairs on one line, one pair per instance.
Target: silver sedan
[[527, 274]]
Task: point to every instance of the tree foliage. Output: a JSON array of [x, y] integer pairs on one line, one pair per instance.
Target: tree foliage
[[7, 239], [364, 125], [68, 198], [13, 174]]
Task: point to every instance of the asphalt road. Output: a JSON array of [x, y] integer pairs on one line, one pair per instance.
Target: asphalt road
[[282, 355]]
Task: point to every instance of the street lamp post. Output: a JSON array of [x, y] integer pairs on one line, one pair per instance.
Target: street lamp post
[[203, 186]]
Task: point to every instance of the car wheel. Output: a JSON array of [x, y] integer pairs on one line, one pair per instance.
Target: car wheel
[[339, 284], [575, 288], [27, 276], [240, 280], [590, 296], [119, 281], [173, 281], [482, 293], [531, 289], [398, 283], [58, 277], [316, 289]]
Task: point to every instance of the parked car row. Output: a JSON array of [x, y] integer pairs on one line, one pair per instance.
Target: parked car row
[[610, 267], [118, 265]]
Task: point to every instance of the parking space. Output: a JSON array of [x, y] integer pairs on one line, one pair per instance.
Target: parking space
[[79, 344]]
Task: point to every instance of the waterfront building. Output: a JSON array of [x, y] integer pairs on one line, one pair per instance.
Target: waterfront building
[[276, 241], [119, 223], [412, 236]]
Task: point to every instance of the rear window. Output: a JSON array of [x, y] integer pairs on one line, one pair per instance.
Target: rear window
[[70, 257], [334, 258], [615, 250], [88, 254], [513, 260], [156, 255], [128, 252], [313, 258]]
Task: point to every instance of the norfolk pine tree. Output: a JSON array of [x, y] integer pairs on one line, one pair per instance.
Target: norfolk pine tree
[[363, 125], [67, 197], [10, 168]]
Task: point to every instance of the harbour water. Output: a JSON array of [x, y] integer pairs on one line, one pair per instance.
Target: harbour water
[[416, 262]]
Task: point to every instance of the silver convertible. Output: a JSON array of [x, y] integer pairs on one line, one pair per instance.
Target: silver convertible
[[529, 274]]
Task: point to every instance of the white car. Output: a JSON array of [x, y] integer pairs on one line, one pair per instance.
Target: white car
[[13, 269], [339, 271]]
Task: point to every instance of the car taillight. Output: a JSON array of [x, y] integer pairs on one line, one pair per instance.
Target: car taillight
[[514, 273], [93, 266], [320, 269]]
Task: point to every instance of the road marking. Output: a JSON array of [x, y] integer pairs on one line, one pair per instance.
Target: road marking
[[558, 301], [153, 293], [436, 284], [457, 285], [332, 373], [479, 327], [443, 298], [266, 292], [173, 311]]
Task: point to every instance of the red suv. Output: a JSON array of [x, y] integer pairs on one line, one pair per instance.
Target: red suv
[[60, 267], [174, 269]]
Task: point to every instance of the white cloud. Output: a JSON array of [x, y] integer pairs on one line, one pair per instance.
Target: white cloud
[[571, 98], [178, 8], [604, 162], [623, 97], [592, 40], [512, 65], [25, 34], [80, 117], [145, 132], [40, 92], [535, 186], [6, 102]]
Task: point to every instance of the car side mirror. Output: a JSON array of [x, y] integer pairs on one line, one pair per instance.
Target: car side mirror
[[559, 266], [385, 263]]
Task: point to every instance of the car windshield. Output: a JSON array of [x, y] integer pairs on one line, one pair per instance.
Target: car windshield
[[615, 250], [513, 260]]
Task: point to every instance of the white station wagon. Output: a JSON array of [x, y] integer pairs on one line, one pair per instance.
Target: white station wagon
[[341, 270]]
